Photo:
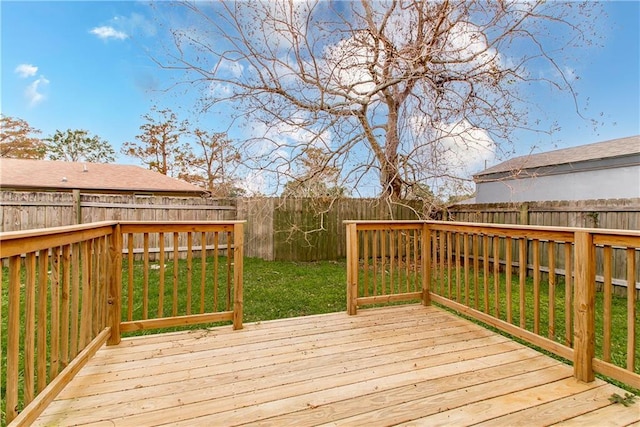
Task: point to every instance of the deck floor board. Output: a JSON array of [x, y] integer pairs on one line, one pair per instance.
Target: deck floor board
[[402, 365]]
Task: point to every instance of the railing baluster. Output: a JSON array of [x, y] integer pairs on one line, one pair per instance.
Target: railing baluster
[[55, 312], [229, 275], [29, 327], [365, 250], [13, 338], [75, 299], [41, 306], [189, 270], [536, 286], [203, 270], [496, 276], [551, 333], [458, 287], [631, 308], [64, 305], [606, 309], [568, 295], [374, 238], [476, 271], [509, 273], [161, 277], [466, 269], [449, 262], [392, 259], [485, 271], [383, 260], [174, 307], [522, 271], [131, 269], [216, 266], [145, 273]]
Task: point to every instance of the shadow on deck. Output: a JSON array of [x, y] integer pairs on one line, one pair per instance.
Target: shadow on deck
[[407, 364]]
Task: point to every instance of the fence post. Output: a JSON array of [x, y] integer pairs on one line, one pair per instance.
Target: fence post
[[352, 268], [238, 258], [524, 214], [425, 247], [77, 206], [584, 307], [114, 297]]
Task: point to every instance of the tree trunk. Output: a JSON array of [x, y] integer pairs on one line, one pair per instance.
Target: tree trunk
[[390, 175]]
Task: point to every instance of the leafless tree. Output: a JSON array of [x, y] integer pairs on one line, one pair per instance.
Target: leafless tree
[[213, 163], [159, 144], [401, 91]]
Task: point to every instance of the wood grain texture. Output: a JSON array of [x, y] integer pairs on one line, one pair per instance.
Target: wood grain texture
[[405, 364]]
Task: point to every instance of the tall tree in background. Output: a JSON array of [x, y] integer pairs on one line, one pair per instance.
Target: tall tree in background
[[215, 164], [316, 176], [159, 144], [18, 140], [405, 92], [78, 146]]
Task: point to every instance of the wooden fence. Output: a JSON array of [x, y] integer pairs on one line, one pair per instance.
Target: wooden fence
[[620, 214], [311, 229], [30, 210], [294, 229]]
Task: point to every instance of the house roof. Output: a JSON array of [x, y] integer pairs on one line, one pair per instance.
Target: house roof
[[597, 151], [91, 177]]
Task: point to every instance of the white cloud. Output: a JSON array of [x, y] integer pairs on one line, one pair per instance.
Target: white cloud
[[106, 32], [254, 183], [34, 92], [464, 147], [26, 70], [134, 24]]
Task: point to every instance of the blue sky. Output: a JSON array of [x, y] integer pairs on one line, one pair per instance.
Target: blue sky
[[84, 65]]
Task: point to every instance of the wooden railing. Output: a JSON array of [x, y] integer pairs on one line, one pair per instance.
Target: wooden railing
[[66, 291], [536, 283]]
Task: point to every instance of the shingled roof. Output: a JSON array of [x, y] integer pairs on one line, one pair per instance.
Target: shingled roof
[[597, 151], [34, 175]]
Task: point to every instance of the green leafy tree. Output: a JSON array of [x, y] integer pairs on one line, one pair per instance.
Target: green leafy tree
[[18, 140], [78, 146], [159, 145]]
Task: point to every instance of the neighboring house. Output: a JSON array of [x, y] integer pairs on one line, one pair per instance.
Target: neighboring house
[[604, 170], [96, 178]]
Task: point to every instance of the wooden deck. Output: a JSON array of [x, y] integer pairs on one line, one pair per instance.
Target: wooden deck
[[408, 365]]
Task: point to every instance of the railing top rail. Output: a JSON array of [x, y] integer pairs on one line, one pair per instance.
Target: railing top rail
[[20, 242], [169, 223], [501, 227], [39, 232]]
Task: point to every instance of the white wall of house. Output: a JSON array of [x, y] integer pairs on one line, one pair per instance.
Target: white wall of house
[[614, 183]]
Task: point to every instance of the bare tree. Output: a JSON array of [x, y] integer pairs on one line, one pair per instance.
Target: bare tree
[[316, 176], [402, 91], [17, 139], [159, 145], [215, 165]]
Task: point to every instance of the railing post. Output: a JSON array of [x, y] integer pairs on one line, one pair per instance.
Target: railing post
[[425, 247], [584, 307], [114, 297], [238, 257], [352, 268]]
